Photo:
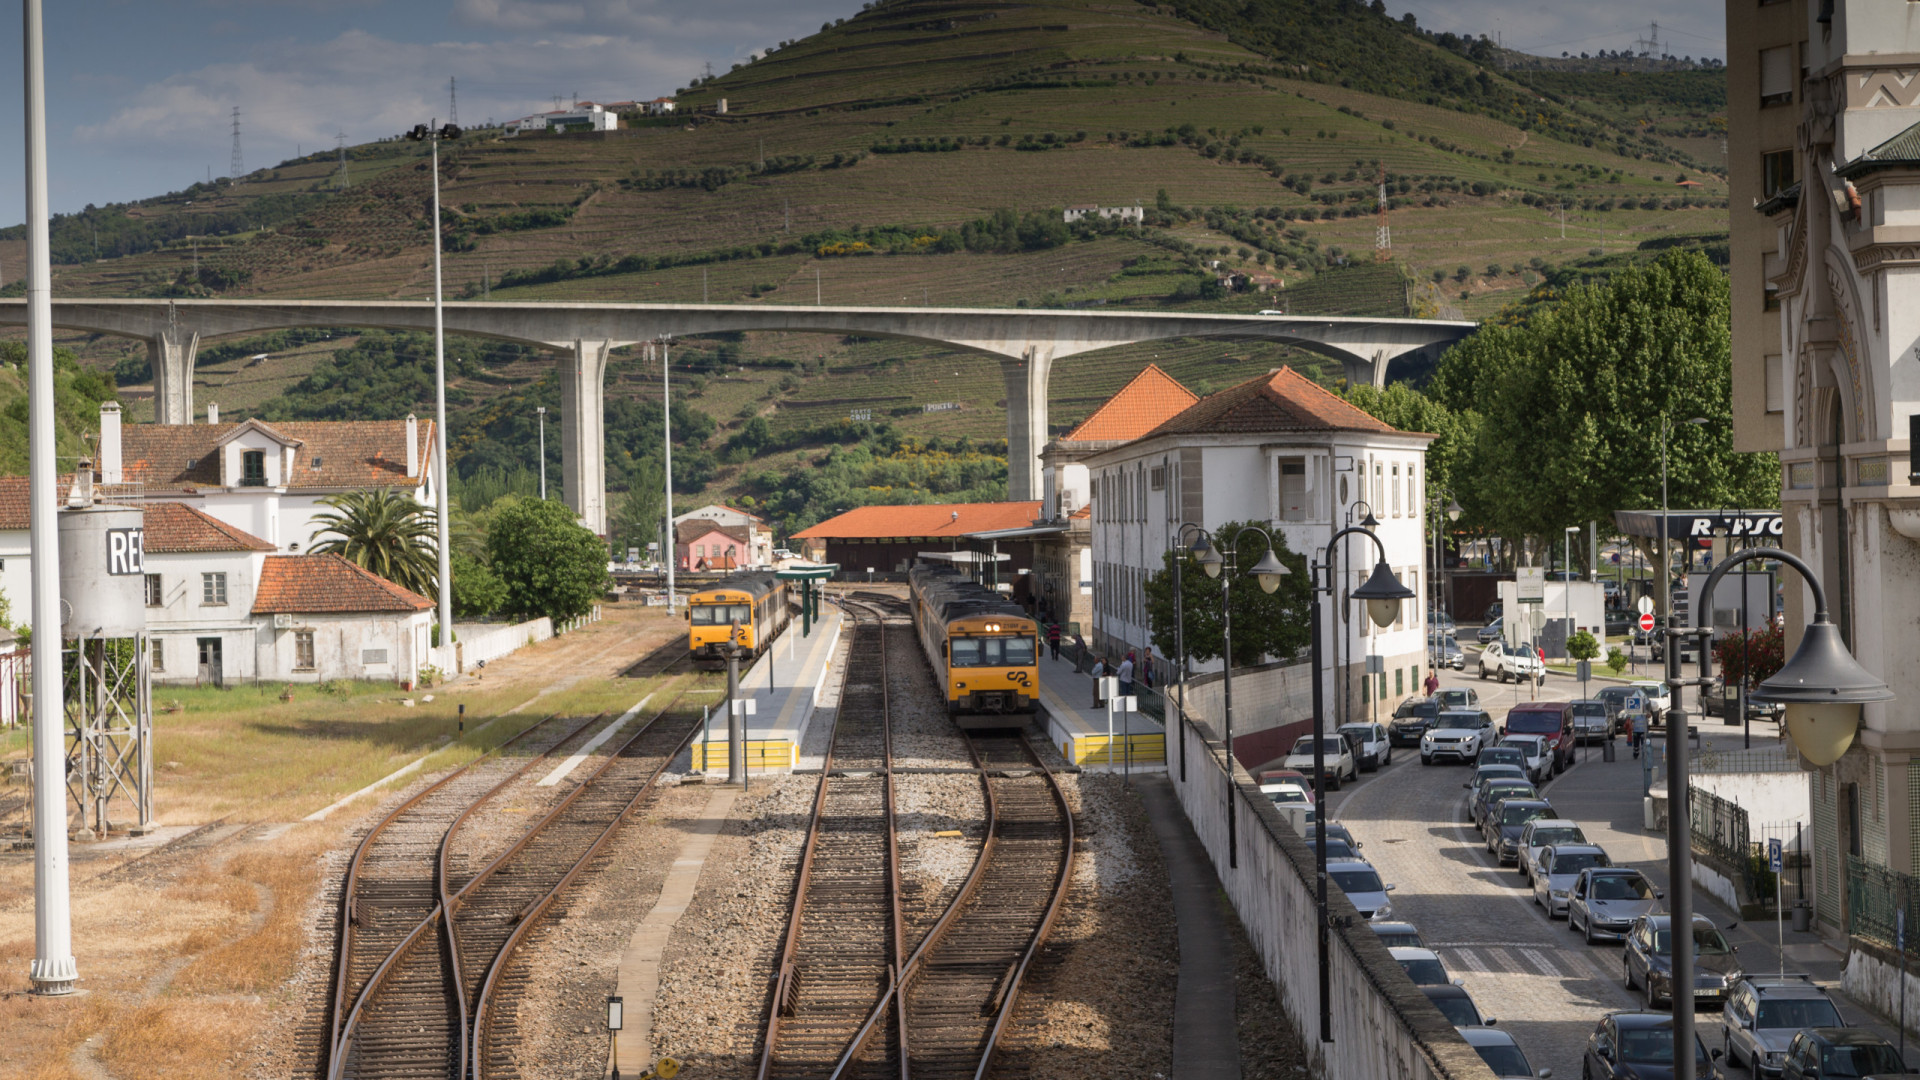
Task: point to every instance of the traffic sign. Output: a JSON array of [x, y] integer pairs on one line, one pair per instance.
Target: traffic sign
[[1773, 854], [1646, 622], [1537, 619], [1646, 605]]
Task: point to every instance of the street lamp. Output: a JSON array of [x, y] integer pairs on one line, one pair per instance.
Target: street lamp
[[1666, 566], [1382, 594], [1211, 556], [432, 137], [1435, 581], [1566, 583], [615, 1010], [542, 410], [1823, 688]]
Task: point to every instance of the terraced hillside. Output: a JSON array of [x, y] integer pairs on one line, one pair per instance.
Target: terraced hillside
[[915, 153]]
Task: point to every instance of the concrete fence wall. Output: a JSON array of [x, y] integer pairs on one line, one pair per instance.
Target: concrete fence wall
[[1384, 1028], [1272, 706], [472, 648]]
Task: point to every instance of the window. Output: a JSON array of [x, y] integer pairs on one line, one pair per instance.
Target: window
[[253, 468], [1157, 478], [213, 589], [156, 653], [1776, 393], [1399, 682], [1396, 489], [1413, 497], [1776, 76], [1776, 172], [1293, 490], [303, 650], [155, 596]]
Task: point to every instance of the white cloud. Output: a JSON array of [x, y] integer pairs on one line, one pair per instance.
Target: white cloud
[[519, 14]]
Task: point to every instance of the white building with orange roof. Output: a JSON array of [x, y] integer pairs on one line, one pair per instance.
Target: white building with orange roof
[[1281, 451]]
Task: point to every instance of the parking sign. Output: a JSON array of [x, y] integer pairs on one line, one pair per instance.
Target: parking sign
[[1773, 854]]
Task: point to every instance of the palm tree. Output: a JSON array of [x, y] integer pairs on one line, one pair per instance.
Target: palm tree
[[385, 532]]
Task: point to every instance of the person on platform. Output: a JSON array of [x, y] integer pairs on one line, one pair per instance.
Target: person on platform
[[1126, 675], [1099, 673], [1079, 654], [1053, 639]]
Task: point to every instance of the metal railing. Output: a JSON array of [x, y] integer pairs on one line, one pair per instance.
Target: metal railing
[[1874, 895], [1721, 830], [1761, 759]]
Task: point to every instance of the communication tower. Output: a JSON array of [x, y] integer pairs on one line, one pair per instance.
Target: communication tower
[[1383, 234], [237, 167], [342, 182], [453, 100], [1649, 45]]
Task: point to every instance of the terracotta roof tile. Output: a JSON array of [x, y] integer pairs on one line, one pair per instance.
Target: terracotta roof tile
[[1149, 399], [328, 584], [688, 531], [175, 528], [1283, 401], [933, 520], [350, 454], [14, 512]]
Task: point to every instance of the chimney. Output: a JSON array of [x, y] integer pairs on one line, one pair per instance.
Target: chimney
[[110, 442], [82, 493], [413, 446], [213, 413]]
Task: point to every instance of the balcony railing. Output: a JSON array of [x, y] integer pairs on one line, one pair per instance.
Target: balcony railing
[[1874, 896]]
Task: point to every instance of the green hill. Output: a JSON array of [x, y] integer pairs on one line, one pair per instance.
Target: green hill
[[919, 152]]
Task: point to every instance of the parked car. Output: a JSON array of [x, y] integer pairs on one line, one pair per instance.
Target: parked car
[[1592, 721], [1543, 833], [1538, 755], [1395, 935], [1639, 1046], [1423, 966], [1454, 1004], [1440, 621], [1502, 755], [1337, 755], [1764, 1012], [1411, 719], [1603, 903], [1446, 651], [1615, 699], [1619, 622], [1658, 696], [1515, 663], [1648, 962], [1504, 820], [1335, 830], [1492, 791], [1501, 1053], [1493, 613], [1277, 775], [1493, 631], [1456, 735], [1505, 768], [1362, 885], [1552, 720], [1833, 1053], [1375, 750], [1717, 700], [1556, 868], [1287, 794], [1457, 697]]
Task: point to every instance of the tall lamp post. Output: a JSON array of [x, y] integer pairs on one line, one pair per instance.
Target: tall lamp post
[[1212, 556], [1666, 565], [1435, 581], [542, 411], [1383, 594], [1567, 594], [1822, 690], [432, 137]]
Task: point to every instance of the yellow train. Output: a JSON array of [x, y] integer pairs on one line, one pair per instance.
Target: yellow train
[[753, 601], [985, 651]]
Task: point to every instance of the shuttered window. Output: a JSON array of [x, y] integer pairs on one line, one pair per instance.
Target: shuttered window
[[1776, 75]]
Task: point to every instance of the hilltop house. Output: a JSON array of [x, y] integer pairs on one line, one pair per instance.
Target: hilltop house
[[750, 533], [701, 544], [584, 116], [1126, 215]]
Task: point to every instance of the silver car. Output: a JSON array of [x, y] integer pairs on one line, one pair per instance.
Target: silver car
[[1361, 882], [1603, 902], [1555, 870], [1764, 1013], [1543, 833]]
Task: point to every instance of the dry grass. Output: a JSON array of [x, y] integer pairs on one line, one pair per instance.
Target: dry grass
[[179, 1038]]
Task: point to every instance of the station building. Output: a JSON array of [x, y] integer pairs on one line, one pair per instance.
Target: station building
[[886, 540], [1281, 450]]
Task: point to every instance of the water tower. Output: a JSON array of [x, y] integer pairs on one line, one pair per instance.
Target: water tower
[[105, 654]]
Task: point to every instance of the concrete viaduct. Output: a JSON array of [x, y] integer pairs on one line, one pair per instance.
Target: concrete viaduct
[[1026, 342]]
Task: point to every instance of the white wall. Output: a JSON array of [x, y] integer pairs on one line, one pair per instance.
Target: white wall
[[1768, 798], [183, 617], [340, 645], [16, 577]]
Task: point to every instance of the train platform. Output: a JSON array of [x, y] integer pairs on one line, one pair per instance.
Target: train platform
[[1081, 731], [783, 688]]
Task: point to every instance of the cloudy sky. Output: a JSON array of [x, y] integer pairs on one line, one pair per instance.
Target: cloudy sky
[[141, 91]]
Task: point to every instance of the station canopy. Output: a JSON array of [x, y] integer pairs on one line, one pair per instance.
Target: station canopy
[[1698, 524]]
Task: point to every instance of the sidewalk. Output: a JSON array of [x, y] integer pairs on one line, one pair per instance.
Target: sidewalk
[[1206, 1040], [1080, 731]]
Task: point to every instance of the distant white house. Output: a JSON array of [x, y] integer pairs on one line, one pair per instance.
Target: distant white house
[[664, 106], [585, 116], [1132, 215], [758, 537]]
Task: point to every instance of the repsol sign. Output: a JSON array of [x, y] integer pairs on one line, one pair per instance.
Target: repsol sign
[[1702, 526], [126, 552]]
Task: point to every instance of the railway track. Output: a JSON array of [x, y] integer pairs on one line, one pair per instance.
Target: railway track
[[939, 1012], [844, 940], [671, 658], [419, 995]]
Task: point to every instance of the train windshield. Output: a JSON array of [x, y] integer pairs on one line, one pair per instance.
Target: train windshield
[[993, 651], [722, 614]]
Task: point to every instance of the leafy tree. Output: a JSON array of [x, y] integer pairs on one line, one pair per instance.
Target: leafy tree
[[1263, 624], [385, 532], [1616, 661], [1570, 400], [477, 590], [1583, 646], [1758, 655], [638, 516], [550, 564]]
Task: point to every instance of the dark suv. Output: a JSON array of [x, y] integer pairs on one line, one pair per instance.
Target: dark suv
[[1551, 719], [1411, 720]]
